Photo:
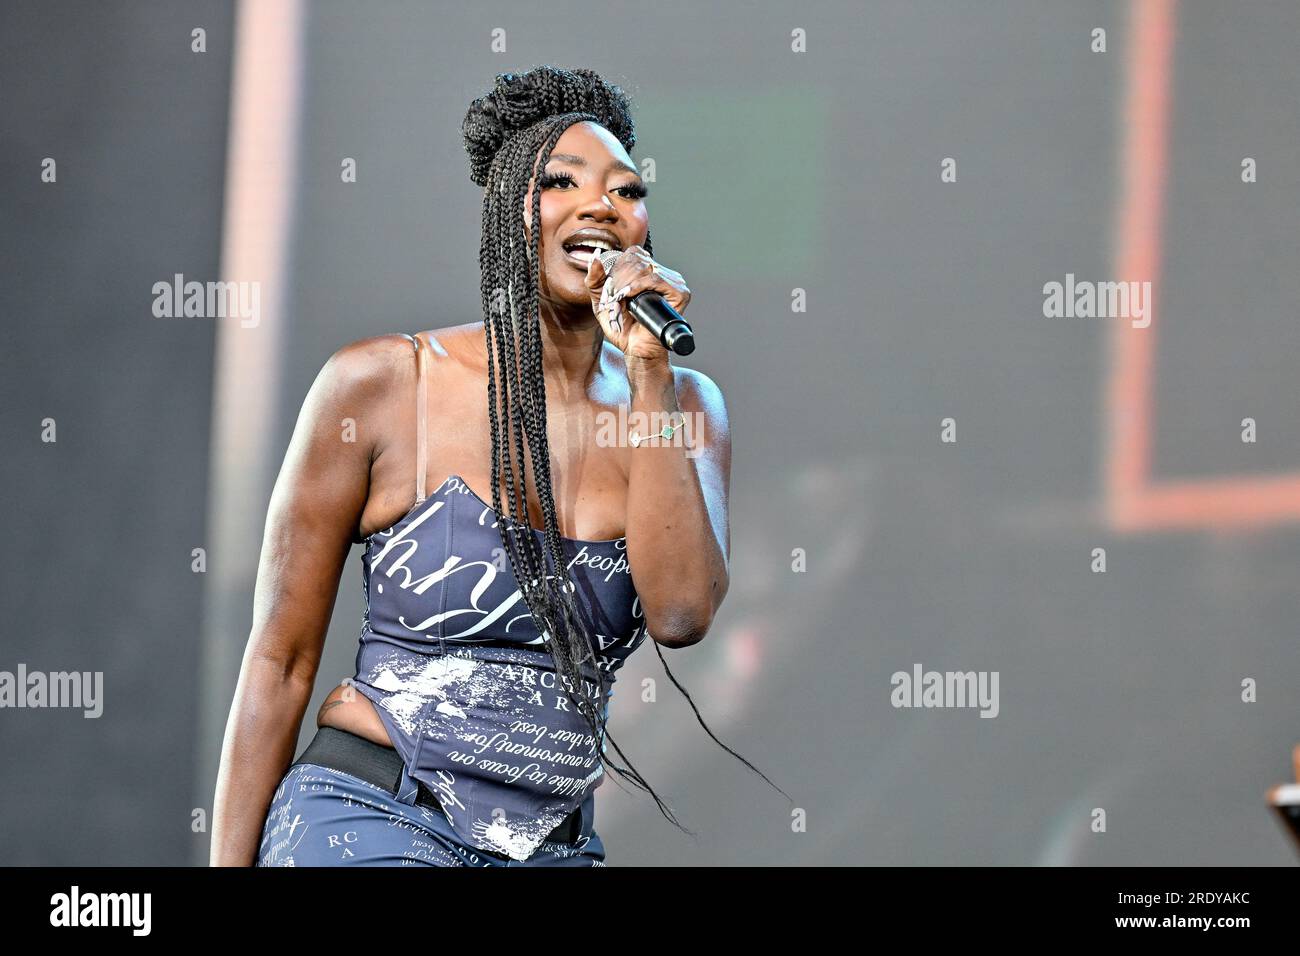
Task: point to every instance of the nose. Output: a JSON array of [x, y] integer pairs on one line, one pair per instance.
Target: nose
[[600, 209]]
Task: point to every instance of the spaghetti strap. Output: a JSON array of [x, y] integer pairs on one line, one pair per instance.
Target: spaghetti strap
[[421, 417]]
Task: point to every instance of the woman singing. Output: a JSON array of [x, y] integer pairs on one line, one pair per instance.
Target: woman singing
[[474, 730]]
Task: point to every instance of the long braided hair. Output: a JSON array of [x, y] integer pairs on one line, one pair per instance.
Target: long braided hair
[[509, 135]]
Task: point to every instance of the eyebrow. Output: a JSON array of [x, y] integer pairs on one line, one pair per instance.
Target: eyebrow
[[575, 160]]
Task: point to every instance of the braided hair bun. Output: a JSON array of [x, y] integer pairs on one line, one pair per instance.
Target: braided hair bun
[[519, 100]]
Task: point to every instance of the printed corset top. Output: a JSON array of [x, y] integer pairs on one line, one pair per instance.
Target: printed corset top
[[457, 668]]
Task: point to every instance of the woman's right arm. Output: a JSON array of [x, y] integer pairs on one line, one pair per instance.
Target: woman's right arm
[[312, 521]]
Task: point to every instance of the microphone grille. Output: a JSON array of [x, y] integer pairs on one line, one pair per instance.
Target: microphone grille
[[608, 258]]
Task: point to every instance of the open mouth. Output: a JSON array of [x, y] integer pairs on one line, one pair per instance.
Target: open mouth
[[581, 249], [580, 255]]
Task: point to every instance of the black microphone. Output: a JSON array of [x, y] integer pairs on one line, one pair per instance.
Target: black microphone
[[650, 309]]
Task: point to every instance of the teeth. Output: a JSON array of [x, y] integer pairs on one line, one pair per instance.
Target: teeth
[[600, 244]]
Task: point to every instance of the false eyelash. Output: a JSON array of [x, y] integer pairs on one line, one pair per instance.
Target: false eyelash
[[548, 179], [551, 179]]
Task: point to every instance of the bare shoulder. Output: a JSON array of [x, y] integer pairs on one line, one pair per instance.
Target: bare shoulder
[[701, 393], [696, 391], [368, 368], [696, 381], [462, 345], [378, 362]]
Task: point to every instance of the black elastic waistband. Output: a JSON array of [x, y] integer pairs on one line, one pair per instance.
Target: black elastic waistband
[[383, 766], [350, 753]]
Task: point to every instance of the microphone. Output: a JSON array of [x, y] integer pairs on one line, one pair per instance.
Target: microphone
[[650, 309]]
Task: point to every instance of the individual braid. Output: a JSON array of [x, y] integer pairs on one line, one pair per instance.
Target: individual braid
[[518, 350], [509, 135]]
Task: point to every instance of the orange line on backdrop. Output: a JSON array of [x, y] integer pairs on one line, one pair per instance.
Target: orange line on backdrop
[[1134, 502], [1145, 156], [1217, 503], [257, 237]]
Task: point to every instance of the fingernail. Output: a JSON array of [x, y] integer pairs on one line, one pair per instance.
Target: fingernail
[[622, 292]]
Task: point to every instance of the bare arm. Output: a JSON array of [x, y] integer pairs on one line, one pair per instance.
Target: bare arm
[[679, 533], [314, 513]]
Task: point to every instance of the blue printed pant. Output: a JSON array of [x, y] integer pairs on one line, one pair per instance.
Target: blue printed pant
[[324, 817]]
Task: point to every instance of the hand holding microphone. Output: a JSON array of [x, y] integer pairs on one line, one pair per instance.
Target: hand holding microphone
[[627, 285]]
